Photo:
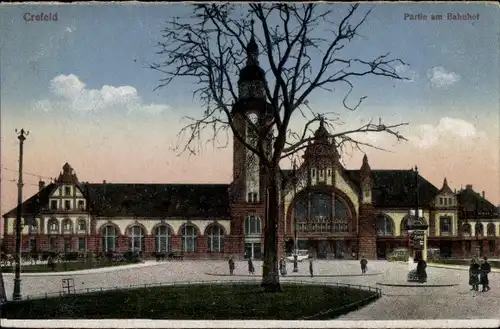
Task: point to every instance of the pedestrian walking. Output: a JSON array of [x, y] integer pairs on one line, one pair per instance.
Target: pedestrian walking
[[311, 271], [282, 266], [485, 269], [251, 268], [474, 271], [364, 265], [421, 270], [231, 265]]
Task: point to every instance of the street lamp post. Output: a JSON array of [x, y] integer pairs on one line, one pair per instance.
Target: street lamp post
[[295, 240], [17, 278]]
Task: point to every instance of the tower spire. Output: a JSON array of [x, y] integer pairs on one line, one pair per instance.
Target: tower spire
[[252, 48]]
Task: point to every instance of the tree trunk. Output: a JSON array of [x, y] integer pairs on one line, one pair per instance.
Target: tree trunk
[[270, 276]]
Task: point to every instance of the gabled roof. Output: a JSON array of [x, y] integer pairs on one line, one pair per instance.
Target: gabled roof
[[396, 188], [159, 200], [471, 201], [34, 203], [143, 200]]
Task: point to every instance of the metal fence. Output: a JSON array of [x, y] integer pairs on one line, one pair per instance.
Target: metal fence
[[377, 292]]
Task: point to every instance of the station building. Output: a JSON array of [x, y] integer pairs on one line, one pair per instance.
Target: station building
[[333, 211]]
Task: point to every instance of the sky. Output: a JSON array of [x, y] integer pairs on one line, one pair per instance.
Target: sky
[[82, 87]]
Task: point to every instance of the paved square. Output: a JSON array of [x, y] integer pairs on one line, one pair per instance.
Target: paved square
[[397, 303]]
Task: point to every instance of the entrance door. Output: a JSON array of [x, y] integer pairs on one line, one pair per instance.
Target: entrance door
[[252, 250], [445, 249], [67, 244], [381, 250], [323, 248], [339, 249]]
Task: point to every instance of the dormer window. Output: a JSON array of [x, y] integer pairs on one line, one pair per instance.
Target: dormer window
[[53, 204], [67, 190], [445, 201], [440, 201], [67, 204], [81, 205]]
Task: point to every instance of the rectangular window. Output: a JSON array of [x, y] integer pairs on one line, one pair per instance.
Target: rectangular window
[[491, 245], [81, 225], [445, 201], [440, 201], [82, 243], [321, 173], [67, 190], [67, 204], [449, 202], [313, 173], [32, 243], [53, 204], [445, 224], [52, 243], [329, 172], [67, 244], [467, 246], [80, 204]]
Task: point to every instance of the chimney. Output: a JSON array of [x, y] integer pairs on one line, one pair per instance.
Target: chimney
[[482, 194], [468, 187], [104, 181], [41, 185]]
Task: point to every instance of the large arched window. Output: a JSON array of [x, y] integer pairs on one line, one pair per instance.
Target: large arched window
[[109, 238], [53, 226], [479, 229], [67, 226], [215, 240], [407, 220], [252, 225], [326, 214], [188, 238], [490, 230], [163, 238], [384, 225], [135, 235]]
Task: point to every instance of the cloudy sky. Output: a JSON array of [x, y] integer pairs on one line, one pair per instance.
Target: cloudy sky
[[82, 87]]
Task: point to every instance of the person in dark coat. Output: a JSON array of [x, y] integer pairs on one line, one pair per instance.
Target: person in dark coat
[[485, 269], [364, 264], [311, 270], [421, 272], [251, 268], [474, 271], [231, 265]]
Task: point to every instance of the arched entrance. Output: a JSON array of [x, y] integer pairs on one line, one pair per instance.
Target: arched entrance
[[324, 221]]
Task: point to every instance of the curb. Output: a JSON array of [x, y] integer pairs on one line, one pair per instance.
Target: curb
[[416, 285], [295, 275], [457, 267], [83, 272]]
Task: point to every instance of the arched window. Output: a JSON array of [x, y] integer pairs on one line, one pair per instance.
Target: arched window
[[466, 229], [478, 229], [215, 242], [53, 226], [490, 229], [82, 225], [67, 226], [384, 225], [326, 215], [408, 220], [163, 238], [252, 225], [188, 238], [109, 235], [135, 235]]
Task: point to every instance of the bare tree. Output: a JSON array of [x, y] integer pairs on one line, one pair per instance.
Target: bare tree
[[210, 47]]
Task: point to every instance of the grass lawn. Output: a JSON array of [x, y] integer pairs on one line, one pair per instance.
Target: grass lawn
[[466, 262], [199, 302], [63, 267]]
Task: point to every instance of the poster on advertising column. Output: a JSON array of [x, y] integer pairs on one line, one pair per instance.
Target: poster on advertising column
[[3, 295]]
